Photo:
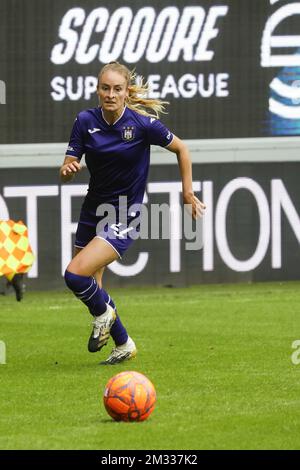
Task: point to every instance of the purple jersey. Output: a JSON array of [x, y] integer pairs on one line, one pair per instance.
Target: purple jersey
[[117, 155]]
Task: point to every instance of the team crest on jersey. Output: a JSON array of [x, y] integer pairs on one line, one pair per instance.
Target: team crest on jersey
[[128, 132]]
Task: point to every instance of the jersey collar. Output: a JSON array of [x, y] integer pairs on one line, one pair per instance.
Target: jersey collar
[[120, 117]]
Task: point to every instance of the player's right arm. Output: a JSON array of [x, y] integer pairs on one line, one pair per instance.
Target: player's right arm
[[68, 169]]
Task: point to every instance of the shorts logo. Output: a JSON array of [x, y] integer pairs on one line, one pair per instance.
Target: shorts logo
[[128, 133], [120, 233]]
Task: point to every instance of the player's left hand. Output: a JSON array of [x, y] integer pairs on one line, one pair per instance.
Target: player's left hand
[[194, 206]]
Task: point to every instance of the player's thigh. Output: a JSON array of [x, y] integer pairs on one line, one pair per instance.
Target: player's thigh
[[98, 276], [76, 251], [92, 258]]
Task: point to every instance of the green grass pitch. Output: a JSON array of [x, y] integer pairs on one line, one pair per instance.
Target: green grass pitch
[[218, 355]]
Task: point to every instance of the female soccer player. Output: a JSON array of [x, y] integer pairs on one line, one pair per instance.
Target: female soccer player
[[115, 138]]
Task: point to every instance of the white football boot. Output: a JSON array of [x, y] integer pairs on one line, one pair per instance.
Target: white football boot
[[101, 329], [121, 353]]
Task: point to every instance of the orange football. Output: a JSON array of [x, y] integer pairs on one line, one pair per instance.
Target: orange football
[[129, 396]]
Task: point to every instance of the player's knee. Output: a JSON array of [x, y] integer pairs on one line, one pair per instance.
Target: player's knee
[[79, 266], [76, 282], [69, 279]]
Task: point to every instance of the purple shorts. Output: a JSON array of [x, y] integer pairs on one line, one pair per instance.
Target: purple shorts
[[117, 234]]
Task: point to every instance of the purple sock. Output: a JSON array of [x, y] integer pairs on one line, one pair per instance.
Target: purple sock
[[118, 331], [88, 291]]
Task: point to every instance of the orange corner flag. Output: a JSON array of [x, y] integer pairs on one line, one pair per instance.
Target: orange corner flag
[[15, 252]]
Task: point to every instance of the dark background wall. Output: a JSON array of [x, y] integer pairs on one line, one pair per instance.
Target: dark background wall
[[244, 225], [36, 110]]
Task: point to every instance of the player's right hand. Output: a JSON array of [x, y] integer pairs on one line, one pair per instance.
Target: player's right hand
[[70, 168]]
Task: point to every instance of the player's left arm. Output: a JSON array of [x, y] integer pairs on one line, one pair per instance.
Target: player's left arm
[[185, 167]]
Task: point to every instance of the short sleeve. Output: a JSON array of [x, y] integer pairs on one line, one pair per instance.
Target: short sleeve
[[76, 143], [158, 133]]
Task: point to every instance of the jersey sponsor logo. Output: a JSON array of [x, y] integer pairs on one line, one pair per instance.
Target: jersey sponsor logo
[[92, 131], [128, 133]]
